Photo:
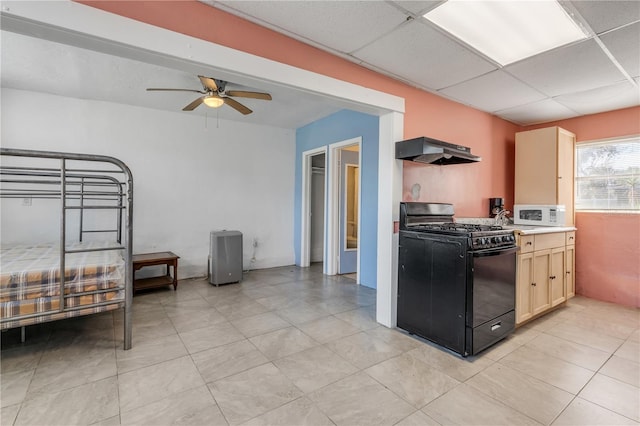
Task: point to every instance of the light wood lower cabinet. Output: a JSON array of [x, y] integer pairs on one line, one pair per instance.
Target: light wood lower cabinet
[[539, 287], [524, 292], [557, 276], [570, 277], [545, 276]]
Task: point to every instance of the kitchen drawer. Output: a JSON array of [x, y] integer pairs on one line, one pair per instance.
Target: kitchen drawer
[[548, 241], [488, 333], [571, 238], [525, 242]]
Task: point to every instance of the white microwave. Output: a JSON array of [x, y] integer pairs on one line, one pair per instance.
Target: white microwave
[[542, 215]]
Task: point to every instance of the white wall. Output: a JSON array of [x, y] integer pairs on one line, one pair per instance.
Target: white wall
[[191, 174]]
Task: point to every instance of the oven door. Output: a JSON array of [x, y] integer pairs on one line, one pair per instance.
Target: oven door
[[492, 294]]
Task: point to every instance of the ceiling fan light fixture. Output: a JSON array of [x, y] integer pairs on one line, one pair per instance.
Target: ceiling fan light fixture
[[213, 101]]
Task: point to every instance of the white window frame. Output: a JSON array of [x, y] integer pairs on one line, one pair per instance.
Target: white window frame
[[579, 179]]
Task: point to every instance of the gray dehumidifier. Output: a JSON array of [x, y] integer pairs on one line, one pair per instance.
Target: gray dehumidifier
[[225, 257]]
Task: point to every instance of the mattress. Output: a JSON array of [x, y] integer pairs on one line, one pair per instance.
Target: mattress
[[30, 281]]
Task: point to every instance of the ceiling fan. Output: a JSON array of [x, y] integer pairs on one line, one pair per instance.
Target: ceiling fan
[[215, 95]]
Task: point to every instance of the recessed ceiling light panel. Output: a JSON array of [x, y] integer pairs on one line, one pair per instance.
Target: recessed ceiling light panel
[[507, 30]]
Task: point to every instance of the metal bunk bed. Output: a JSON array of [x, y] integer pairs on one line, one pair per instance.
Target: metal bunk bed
[[33, 291]]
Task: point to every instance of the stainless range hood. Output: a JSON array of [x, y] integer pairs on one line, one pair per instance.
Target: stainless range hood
[[432, 151]]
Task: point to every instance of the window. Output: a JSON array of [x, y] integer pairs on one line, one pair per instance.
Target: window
[[608, 174]]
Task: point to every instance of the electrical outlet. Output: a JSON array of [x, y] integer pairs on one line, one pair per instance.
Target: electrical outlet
[[27, 201]]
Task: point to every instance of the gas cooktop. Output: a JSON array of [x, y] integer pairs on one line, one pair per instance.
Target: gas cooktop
[[454, 227], [438, 219]]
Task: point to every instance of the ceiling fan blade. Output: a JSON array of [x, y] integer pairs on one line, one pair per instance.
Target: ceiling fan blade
[[237, 106], [151, 89], [193, 105], [254, 95], [208, 83]]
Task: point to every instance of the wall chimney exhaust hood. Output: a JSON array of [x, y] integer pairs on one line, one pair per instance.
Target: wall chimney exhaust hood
[[432, 151]]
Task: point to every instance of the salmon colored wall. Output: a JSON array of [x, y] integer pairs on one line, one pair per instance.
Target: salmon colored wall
[[608, 244], [608, 257], [622, 122], [468, 186]]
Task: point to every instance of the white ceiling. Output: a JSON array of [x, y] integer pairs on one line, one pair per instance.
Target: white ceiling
[[598, 74], [34, 64]]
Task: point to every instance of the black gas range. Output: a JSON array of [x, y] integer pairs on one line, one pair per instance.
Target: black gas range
[[456, 281]]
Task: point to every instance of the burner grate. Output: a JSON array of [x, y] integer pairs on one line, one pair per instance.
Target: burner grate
[[455, 227]]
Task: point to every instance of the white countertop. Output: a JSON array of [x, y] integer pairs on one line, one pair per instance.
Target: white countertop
[[521, 229], [530, 230]]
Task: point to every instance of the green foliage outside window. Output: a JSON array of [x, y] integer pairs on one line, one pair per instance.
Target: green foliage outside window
[[608, 174]]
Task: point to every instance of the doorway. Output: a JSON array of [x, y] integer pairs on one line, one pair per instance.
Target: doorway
[[344, 199], [313, 224], [317, 208], [348, 209], [331, 200]]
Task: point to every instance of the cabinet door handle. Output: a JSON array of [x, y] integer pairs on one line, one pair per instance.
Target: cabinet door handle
[[528, 243], [571, 238], [533, 284], [553, 277], [568, 272]]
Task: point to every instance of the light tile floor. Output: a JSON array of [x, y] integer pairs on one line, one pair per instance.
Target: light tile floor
[[289, 346]]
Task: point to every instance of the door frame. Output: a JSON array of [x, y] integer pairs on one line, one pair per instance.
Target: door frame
[[332, 247], [305, 221]]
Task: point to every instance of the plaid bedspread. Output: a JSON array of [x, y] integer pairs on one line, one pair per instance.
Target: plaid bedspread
[[30, 281]]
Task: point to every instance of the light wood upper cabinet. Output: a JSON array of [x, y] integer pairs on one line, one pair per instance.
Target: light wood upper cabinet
[[544, 169]]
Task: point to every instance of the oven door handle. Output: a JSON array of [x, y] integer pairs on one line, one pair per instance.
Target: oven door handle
[[495, 252]]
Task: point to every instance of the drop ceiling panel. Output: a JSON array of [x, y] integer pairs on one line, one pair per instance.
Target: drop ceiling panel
[[581, 77], [341, 25], [575, 68], [418, 7], [609, 98], [624, 45], [606, 15], [494, 91], [423, 55], [537, 112]]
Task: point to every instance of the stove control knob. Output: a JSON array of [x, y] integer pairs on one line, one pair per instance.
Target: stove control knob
[[496, 239]]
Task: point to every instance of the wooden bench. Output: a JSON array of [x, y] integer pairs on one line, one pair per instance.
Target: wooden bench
[[167, 258]]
